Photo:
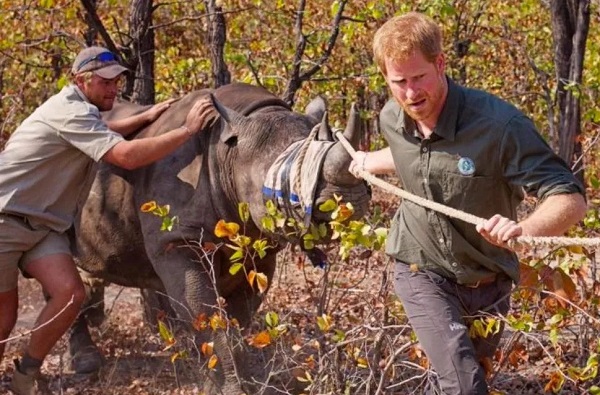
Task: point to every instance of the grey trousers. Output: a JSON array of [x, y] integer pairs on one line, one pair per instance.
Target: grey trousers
[[440, 312]]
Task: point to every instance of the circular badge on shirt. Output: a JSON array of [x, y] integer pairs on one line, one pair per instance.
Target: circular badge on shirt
[[466, 166]]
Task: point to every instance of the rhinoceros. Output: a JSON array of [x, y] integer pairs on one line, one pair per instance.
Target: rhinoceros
[[203, 182]]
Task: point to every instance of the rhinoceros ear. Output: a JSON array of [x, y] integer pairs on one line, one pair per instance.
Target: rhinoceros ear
[[232, 120], [316, 108], [325, 133]]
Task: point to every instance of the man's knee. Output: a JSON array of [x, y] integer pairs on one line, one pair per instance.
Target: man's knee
[[72, 291]]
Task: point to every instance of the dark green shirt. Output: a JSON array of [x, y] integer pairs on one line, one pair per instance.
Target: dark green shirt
[[483, 154]]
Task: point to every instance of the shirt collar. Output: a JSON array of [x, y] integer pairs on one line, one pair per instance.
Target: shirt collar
[[79, 92]]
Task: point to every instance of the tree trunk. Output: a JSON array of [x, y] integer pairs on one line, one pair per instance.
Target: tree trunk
[[570, 26], [142, 51], [92, 32], [217, 38]]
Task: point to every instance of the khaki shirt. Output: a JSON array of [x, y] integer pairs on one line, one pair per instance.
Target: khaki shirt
[[47, 164], [482, 156]]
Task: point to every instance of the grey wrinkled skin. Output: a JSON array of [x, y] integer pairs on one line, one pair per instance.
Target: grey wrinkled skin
[[203, 182]]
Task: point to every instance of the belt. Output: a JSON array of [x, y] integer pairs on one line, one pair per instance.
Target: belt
[[484, 281]]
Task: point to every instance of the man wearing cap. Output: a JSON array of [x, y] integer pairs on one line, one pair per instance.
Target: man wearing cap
[[43, 172]]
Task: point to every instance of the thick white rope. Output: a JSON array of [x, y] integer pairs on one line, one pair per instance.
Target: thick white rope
[[469, 218]]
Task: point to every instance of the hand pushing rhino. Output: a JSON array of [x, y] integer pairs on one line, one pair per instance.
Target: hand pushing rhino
[[230, 161], [43, 170]]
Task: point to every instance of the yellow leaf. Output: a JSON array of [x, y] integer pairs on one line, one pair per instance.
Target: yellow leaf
[[217, 322], [362, 363], [148, 207], [324, 322], [212, 362], [261, 340], [262, 282], [575, 250], [226, 229]]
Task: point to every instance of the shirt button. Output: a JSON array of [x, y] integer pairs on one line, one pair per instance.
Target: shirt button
[[441, 240], [424, 150], [454, 264]]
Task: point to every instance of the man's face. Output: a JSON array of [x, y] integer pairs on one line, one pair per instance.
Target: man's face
[[419, 86], [101, 92]]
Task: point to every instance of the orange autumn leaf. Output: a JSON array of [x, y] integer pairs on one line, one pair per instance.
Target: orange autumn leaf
[[557, 281], [208, 246], [148, 207], [250, 277], [529, 276], [488, 366], [201, 322], [261, 340], [207, 349], [344, 212], [226, 229], [518, 354], [557, 380]]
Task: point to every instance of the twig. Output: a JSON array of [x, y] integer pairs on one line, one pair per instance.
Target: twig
[[20, 335]]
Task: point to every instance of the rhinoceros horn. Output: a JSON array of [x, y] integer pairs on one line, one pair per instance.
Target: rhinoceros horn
[[232, 119], [353, 127], [325, 133]]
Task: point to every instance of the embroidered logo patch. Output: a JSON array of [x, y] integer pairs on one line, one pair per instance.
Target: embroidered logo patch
[[466, 166]]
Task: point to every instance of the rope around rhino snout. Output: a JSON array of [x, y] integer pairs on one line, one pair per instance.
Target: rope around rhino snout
[[466, 217]]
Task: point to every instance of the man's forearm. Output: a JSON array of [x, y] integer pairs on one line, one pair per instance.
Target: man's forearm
[[555, 215], [126, 126]]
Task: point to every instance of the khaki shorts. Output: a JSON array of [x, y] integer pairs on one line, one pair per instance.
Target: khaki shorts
[[21, 244]]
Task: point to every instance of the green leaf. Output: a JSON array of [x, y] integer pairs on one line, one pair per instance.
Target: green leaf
[[272, 319], [268, 223], [164, 332], [328, 205], [244, 211], [236, 256], [233, 269]]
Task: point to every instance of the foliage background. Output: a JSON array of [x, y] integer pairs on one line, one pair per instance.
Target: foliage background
[[504, 46]]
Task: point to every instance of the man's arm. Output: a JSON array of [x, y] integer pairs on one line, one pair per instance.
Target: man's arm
[[376, 162], [553, 217], [131, 154], [126, 126]]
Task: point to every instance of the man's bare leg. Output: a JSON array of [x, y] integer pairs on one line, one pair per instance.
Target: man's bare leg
[[61, 282], [9, 302]]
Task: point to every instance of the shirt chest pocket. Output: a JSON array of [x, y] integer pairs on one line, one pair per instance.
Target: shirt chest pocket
[[472, 194]]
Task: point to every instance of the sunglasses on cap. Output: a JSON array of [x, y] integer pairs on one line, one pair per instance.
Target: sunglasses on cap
[[101, 57]]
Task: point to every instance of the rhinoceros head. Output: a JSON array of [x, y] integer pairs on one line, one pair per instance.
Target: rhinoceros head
[[290, 158]]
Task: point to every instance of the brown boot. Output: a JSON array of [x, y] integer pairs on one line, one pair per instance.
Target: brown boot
[[27, 384]]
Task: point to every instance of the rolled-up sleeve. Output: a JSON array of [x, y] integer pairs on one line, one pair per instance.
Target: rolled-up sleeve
[[532, 164]]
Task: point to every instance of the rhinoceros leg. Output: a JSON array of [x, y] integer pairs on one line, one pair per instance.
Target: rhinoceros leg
[[84, 355], [188, 282], [156, 304]]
